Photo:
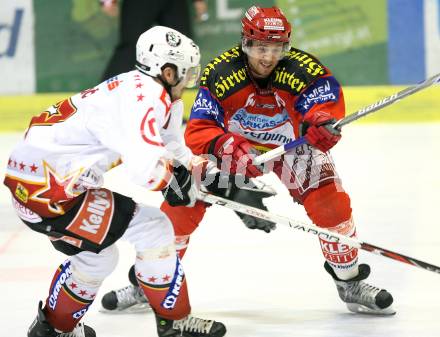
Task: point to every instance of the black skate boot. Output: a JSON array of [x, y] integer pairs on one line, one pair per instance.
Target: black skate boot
[[129, 299], [361, 297], [189, 327], [41, 328]]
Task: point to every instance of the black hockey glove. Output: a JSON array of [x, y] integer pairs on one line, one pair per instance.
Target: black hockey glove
[[249, 193], [181, 191]]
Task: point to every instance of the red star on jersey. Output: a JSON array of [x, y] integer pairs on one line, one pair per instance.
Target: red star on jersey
[[83, 292], [33, 168], [73, 285], [152, 279], [166, 278], [56, 189], [92, 296], [22, 166], [139, 275], [140, 97], [139, 85]]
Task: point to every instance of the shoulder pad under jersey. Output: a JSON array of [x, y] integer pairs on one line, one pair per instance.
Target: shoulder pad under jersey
[[225, 74], [297, 70]]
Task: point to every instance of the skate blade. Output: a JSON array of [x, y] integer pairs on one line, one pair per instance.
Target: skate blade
[[362, 309], [134, 309]]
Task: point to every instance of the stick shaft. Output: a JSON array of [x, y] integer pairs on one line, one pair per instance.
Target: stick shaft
[[352, 117], [262, 158], [320, 232], [387, 101]]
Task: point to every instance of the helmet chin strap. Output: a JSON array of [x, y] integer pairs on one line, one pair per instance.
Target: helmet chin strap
[[167, 85]]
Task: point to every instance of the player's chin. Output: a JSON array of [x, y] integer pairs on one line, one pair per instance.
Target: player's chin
[[265, 71]]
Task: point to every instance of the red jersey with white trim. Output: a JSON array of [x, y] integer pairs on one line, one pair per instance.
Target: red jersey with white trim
[[68, 147], [229, 100]]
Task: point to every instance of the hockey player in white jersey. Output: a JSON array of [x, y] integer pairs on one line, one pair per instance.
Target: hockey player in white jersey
[[55, 176]]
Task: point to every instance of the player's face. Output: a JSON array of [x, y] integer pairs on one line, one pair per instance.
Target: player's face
[[178, 87], [263, 57]]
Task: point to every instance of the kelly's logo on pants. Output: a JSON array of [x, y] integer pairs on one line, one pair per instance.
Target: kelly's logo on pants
[[94, 217]]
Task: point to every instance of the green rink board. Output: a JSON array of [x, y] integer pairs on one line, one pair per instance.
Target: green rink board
[[424, 106]]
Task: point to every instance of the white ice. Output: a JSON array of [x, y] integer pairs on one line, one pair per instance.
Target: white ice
[[274, 285]]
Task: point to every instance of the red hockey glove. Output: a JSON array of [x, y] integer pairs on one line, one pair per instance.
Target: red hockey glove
[[320, 131], [237, 153]]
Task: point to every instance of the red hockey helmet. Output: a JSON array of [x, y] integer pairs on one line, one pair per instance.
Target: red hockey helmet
[[265, 24]]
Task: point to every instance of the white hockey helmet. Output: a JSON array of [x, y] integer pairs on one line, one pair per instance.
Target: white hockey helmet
[[162, 45]]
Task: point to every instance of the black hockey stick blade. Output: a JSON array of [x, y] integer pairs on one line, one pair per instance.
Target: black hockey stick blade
[[399, 257]]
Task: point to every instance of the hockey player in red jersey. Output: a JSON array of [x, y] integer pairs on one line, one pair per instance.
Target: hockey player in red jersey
[[263, 94], [55, 177]]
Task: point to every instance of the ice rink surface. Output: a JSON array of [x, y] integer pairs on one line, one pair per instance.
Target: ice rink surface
[[274, 285]]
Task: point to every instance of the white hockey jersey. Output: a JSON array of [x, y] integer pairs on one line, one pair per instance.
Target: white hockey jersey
[[68, 147]]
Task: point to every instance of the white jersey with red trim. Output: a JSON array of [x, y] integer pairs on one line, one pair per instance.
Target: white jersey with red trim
[[68, 147]]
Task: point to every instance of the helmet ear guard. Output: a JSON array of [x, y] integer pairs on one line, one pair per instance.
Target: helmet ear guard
[[161, 46]]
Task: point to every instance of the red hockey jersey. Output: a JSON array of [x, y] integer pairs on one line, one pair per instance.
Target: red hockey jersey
[[229, 100]]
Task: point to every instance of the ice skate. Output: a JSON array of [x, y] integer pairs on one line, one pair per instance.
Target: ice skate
[[189, 327], [41, 328], [129, 299], [361, 297]]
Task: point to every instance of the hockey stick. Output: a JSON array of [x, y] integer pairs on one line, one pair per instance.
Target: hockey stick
[[350, 118], [312, 229]]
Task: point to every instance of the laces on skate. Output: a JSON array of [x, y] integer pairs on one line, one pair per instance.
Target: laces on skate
[[193, 324]]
